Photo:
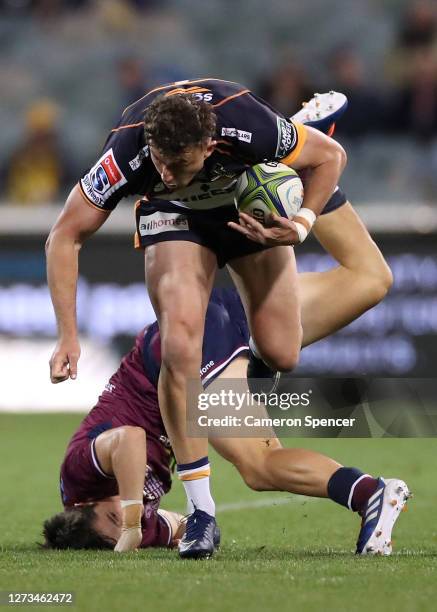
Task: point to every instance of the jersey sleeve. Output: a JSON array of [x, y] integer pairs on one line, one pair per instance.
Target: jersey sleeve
[[116, 174], [156, 528], [259, 132]]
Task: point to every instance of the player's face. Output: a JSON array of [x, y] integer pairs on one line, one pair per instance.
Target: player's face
[[179, 171], [108, 519]]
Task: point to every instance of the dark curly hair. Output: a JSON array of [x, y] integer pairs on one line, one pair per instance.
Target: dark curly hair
[[73, 528], [176, 122]]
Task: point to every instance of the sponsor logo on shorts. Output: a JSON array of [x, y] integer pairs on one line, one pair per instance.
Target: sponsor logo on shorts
[[206, 367], [286, 137], [136, 162], [104, 178], [239, 134], [162, 222]]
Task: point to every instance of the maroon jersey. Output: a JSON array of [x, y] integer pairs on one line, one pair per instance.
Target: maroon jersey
[[131, 398], [128, 399]]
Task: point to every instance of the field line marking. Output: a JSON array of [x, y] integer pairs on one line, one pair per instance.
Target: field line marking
[[264, 503]]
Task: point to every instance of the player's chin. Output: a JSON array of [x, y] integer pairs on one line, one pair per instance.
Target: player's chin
[[179, 184]]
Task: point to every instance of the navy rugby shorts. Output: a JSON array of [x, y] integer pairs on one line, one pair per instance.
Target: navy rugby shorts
[[160, 221]]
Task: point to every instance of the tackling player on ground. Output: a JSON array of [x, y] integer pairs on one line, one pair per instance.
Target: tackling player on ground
[[116, 467]]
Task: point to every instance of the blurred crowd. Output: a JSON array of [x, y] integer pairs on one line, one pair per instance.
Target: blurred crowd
[[41, 169], [406, 104], [49, 9], [403, 104]]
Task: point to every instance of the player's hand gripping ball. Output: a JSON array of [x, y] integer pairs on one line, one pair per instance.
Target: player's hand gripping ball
[[269, 188]]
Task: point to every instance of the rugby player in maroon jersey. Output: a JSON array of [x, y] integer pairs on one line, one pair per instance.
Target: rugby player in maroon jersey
[[116, 468]]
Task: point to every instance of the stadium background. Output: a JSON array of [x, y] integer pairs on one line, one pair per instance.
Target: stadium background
[[58, 104], [67, 69]]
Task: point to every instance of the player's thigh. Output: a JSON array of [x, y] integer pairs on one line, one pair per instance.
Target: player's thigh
[[268, 285], [179, 278], [344, 236], [111, 439]]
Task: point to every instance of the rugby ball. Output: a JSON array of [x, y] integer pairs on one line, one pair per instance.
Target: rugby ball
[[268, 188]]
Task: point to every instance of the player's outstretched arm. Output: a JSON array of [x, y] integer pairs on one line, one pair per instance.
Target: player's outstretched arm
[[75, 224]]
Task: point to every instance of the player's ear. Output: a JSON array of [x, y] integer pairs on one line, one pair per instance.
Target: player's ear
[[210, 145]]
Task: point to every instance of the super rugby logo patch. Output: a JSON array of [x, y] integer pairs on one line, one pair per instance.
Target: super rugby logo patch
[[286, 137], [104, 178]]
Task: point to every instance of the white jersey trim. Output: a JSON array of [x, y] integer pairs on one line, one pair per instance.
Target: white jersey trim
[[214, 372], [96, 461]]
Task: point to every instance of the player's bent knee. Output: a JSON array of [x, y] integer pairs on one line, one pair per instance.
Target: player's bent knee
[[130, 434], [180, 345], [283, 359], [288, 361]]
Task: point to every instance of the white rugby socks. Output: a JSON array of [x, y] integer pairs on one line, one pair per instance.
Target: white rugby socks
[[195, 478]]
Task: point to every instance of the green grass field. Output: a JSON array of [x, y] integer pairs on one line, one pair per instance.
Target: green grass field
[[279, 552]]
